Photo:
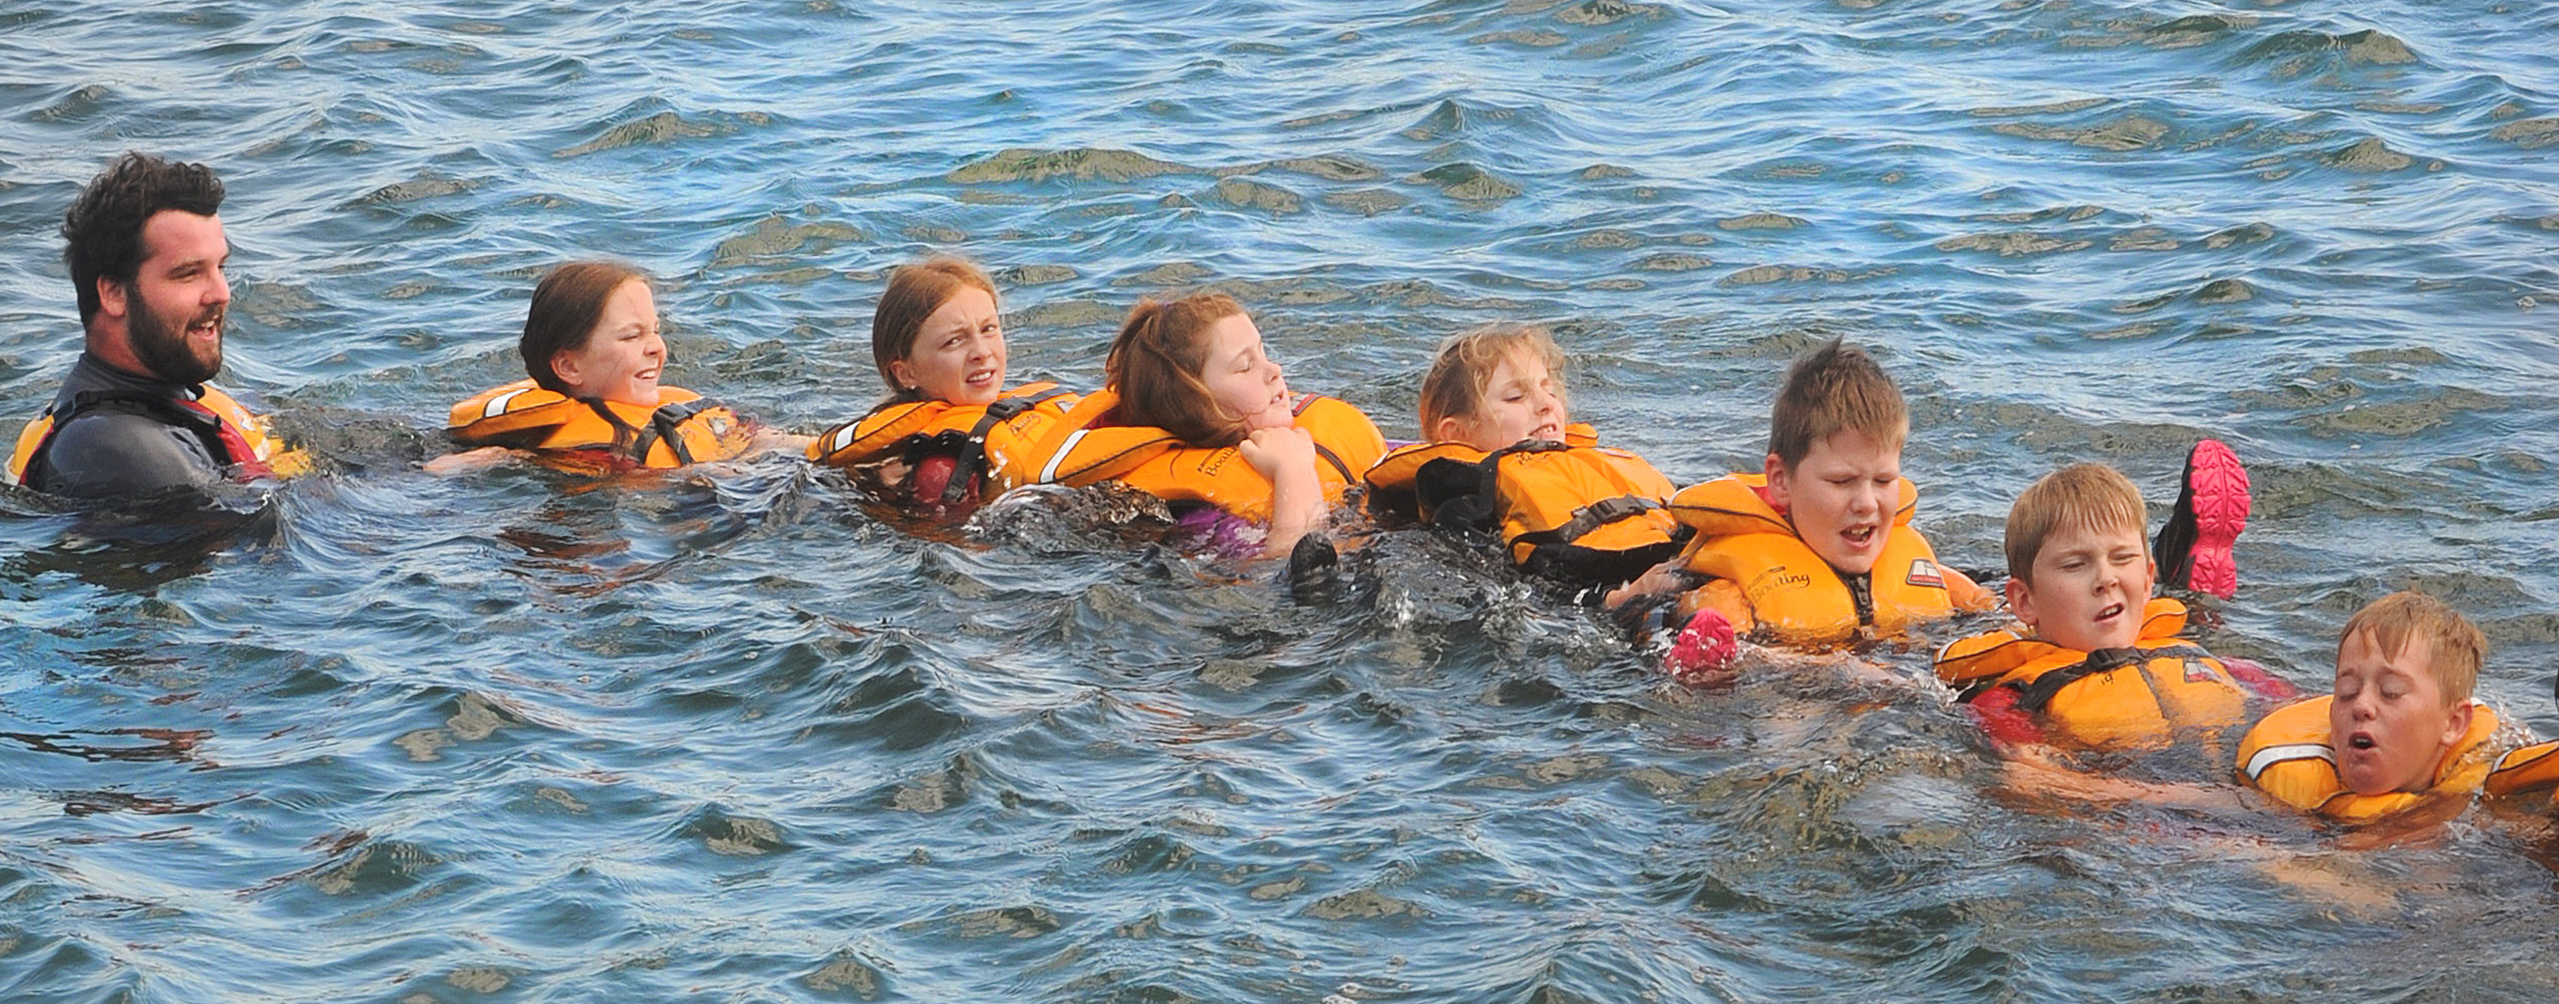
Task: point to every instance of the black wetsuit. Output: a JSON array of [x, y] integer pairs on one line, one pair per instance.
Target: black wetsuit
[[116, 434]]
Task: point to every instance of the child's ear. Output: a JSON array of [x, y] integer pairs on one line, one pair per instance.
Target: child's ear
[[1778, 489], [1449, 429], [2021, 601], [903, 374], [564, 364], [2456, 724]]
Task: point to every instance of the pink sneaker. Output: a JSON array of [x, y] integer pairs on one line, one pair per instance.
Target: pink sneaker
[[1704, 652], [2193, 549]]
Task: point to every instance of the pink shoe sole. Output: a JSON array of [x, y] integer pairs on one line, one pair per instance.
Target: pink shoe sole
[[2220, 484]]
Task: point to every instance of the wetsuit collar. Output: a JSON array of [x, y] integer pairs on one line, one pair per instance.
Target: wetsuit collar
[[92, 373]]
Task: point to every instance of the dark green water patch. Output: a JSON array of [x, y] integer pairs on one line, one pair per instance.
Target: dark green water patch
[[1468, 182], [1254, 195], [777, 238], [2369, 156], [1083, 164], [661, 128]]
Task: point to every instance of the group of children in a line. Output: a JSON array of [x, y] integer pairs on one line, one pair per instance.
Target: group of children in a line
[[1814, 549]]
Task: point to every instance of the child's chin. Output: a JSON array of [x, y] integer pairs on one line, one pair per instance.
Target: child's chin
[[1856, 564]]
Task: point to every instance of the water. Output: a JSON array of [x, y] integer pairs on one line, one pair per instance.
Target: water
[[727, 735]]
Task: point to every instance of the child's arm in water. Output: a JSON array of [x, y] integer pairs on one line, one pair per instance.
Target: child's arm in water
[[2036, 770], [470, 460], [1287, 457]]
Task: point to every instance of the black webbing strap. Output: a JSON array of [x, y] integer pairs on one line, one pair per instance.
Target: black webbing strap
[[2035, 695]]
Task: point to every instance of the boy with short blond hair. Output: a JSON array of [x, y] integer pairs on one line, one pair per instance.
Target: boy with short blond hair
[[2399, 729], [2094, 660], [1817, 548]]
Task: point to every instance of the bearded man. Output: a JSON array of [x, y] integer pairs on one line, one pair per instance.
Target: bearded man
[[146, 253]]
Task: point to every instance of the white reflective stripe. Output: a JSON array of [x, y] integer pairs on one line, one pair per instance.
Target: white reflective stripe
[[2273, 755], [1048, 473], [843, 438], [497, 405]]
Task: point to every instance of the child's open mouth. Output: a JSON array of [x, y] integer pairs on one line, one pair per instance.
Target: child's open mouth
[[2360, 740]]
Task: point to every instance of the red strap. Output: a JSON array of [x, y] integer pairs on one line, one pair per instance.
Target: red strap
[[244, 458]]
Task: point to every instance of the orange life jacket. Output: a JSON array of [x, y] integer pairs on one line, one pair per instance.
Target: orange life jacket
[[2525, 769], [2288, 754], [993, 442], [1571, 510], [684, 428], [1761, 573], [2117, 697], [1086, 450], [233, 433]]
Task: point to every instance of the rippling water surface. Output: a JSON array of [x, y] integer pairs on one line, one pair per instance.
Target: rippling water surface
[[727, 735]]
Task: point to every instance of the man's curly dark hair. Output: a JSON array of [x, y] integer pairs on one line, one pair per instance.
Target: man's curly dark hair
[[103, 230]]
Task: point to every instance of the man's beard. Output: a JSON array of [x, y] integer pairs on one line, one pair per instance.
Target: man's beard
[[166, 349]]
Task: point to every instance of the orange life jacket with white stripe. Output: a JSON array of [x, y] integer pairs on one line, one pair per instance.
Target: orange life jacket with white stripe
[[684, 428], [1087, 450], [992, 442], [2288, 754]]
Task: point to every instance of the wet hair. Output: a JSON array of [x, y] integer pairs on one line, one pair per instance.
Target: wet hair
[[1833, 389], [102, 232], [2081, 497], [567, 305], [1463, 369], [1155, 365], [915, 291], [2455, 646]]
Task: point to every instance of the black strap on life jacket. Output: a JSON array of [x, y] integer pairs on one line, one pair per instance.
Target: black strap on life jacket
[[1467, 496], [1592, 517], [2038, 693], [204, 425], [634, 442], [666, 423], [970, 448]]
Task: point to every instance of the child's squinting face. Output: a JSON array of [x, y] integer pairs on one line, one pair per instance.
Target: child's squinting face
[[958, 355], [1241, 380], [1841, 497], [2087, 588], [1520, 402], [2388, 720], [622, 356]]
